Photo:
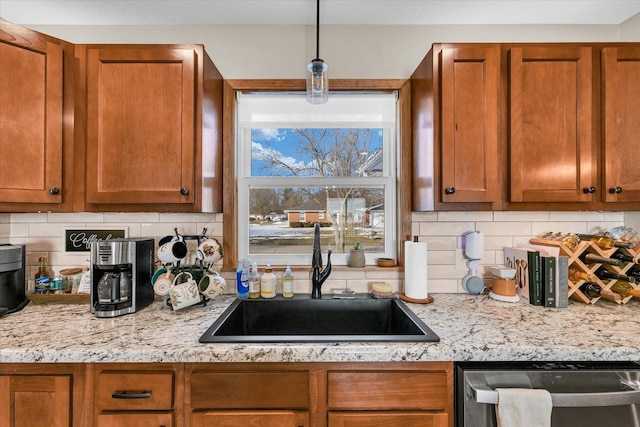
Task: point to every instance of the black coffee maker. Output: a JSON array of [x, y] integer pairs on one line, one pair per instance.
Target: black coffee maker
[[12, 278], [121, 271]]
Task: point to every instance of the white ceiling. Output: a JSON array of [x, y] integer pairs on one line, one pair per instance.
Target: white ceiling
[[302, 12]]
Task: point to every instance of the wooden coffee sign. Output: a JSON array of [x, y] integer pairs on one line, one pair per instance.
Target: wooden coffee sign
[[80, 240]]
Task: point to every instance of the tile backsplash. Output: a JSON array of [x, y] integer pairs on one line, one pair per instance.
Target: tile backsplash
[[43, 233]]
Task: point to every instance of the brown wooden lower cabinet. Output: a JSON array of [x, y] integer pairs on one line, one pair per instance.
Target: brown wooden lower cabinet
[[320, 394], [384, 419], [47, 394], [349, 394], [136, 420], [250, 418]]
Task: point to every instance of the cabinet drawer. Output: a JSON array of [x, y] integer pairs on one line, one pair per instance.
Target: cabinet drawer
[[137, 420], [134, 390], [387, 390], [377, 418], [250, 418], [251, 390]]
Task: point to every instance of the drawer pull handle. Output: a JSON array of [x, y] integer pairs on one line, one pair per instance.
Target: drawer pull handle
[[126, 395]]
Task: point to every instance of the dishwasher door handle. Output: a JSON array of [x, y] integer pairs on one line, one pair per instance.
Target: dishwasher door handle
[[485, 394]]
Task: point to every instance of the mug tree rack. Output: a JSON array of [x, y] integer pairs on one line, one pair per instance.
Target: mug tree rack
[[577, 263]]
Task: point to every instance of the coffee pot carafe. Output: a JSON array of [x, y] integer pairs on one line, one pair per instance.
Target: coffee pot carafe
[[121, 271]]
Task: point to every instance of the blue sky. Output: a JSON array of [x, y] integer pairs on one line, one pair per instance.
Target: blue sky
[[282, 143]]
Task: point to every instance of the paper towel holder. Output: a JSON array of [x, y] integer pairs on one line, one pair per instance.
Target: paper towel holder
[[404, 297]]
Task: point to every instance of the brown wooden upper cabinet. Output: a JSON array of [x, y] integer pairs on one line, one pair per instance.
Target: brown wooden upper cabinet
[[36, 142], [456, 121], [621, 121], [154, 116], [552, 151]]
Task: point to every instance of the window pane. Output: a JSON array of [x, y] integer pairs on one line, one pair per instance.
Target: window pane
[[281, 219], [323, 152]]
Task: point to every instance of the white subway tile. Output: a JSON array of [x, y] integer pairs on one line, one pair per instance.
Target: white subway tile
[[441, 243], [504, 228], [556, 226], [131, 217], [614, 217], [466, 216], [584, 216], [497, 242], [424, 216], [441, 257], [601, 227], [178, 217], [49, 230], [445, 228], [28, 217], [75, 217], [442, 286], [520, 216], [16, 229]]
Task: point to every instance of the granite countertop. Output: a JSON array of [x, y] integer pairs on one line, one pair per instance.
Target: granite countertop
[[470, 328]]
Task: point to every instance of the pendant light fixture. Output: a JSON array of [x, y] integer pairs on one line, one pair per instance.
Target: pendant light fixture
[[317, 71]]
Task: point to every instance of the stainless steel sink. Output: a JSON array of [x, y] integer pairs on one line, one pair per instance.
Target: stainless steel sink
[[303, 319]]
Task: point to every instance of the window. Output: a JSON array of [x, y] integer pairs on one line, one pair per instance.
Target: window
[[301, 164]]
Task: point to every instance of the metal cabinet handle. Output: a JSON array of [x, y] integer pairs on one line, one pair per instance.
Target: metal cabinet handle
[[184, 191], [485, 394], [54, 190], [450, 190], [127, 395], [589, 190], [615, 190]]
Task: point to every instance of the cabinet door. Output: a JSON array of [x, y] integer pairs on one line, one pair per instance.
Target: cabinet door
[[30, 122], [382, 419], [141, 125], [250, 418], [35, 400], [621, 79], [470, 80], [137, 420], [552, 156]]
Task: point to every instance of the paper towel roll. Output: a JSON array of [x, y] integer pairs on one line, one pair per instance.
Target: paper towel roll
[[415, 270]]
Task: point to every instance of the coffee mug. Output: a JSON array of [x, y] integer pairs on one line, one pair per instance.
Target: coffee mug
[[209, 251], [163, 283], [212, 284], [173, 251], [184, 294]]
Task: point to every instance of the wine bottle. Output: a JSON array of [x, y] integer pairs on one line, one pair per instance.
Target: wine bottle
[[576, 275], [623, 257], [593, 290], [604, 242], [606, 274], [590, 258], [624, 290]]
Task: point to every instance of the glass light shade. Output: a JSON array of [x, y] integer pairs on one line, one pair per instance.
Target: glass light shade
[[317, 82]]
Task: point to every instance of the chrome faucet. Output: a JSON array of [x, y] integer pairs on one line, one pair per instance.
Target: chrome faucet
[[319, 274]]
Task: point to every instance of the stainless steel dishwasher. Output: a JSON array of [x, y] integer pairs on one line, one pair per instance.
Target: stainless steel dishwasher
[[583, 393]]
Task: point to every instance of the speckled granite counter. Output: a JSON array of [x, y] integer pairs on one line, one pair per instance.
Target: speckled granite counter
[[470, 328]]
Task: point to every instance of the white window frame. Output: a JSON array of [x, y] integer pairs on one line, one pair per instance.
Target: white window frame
[[388, 180]]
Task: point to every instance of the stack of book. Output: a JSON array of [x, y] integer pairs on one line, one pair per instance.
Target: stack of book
[[541, 274]]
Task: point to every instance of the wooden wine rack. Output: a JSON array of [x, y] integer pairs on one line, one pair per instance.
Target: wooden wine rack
[[577, 263]]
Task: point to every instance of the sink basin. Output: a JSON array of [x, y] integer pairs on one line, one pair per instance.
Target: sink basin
[[303, 319]]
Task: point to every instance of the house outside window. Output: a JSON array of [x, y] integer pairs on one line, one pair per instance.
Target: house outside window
[[333, 164]]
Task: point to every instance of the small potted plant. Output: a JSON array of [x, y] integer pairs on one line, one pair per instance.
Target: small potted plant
[[356, 256]]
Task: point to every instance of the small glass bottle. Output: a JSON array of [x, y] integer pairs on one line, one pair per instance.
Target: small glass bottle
[[287, 283], [42, 278], [268, 283], [254, 282]]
